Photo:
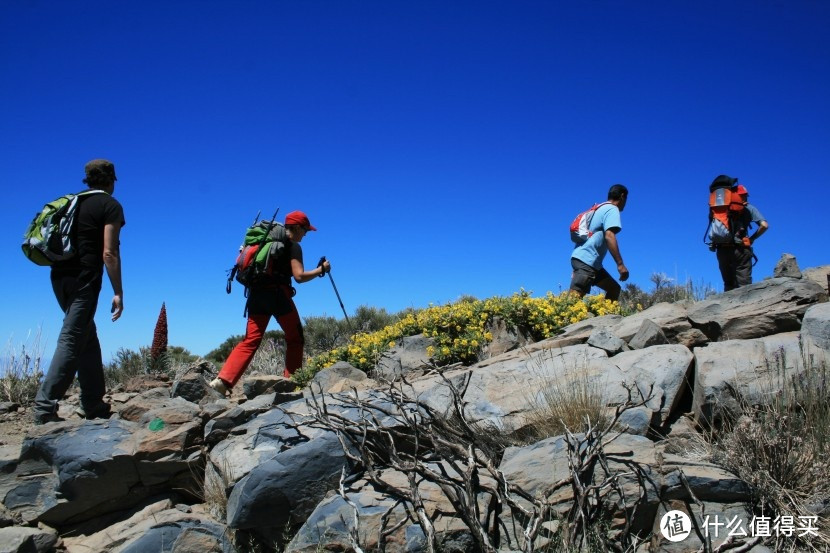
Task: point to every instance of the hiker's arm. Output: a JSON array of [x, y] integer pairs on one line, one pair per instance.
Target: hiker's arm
[[112, 261], [762, 228], [614, 248], [301, 275]]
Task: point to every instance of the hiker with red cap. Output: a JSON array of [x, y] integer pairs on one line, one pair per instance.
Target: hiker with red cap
[[733, 241], [273, 297]]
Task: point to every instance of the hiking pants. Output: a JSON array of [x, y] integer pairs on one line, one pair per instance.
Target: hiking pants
[[78, 350], [735, 263], [262, 305]]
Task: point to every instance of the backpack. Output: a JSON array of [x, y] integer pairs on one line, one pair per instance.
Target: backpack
[[50, 237], [727, 213], [580, 227], [264, 245]]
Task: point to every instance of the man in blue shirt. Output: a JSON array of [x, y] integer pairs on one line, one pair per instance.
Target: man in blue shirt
[[586, 258]]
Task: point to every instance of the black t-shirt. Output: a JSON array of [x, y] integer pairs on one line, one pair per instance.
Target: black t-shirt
[[94, 212]]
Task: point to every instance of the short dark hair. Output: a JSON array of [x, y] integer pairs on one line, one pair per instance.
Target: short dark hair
[[100, 173], [617, 191]]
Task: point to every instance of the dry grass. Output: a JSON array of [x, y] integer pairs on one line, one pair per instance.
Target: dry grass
[[215, 489], [269, 359], [574, 401], [21, 370], [781, 449]]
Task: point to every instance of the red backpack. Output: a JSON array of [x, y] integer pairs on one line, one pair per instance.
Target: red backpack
[[581, 225]]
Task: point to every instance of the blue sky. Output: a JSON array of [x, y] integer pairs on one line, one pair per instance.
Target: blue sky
[[441, 148]]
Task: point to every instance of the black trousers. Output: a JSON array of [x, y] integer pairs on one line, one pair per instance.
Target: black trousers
[[78, 350], [735, 263]]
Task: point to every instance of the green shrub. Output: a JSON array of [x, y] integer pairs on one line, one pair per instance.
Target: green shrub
[[460, 329]]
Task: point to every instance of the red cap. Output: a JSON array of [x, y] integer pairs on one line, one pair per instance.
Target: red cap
[[298, 218], [741, 189]]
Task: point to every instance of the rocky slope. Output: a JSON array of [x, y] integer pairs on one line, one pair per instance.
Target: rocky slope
[[180, 469]]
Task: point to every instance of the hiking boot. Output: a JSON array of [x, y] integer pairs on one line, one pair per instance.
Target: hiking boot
[[43, 418], [102, 411], [219, 385]]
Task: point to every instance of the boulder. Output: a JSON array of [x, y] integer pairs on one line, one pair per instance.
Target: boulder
[[736, 372], [332, 521], [218, 427], [70, 472], [24, 539], [191, 386], [533, 468], [604, 339], [761, 309], [505, 338], [691, 338], [671, 318], [815, 335], [340, 377], [512, 387], [409, 354], [254, 386], [158, 527], [649, 335], [787, 266], [819, 275], [280, 465]]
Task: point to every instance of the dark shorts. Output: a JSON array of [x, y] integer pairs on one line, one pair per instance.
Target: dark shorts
[[584, 276]]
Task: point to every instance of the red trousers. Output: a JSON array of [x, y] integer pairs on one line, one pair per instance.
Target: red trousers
[[262, 305]]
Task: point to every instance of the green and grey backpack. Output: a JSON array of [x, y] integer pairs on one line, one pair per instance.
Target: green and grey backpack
[[50, 237], [265, 243]]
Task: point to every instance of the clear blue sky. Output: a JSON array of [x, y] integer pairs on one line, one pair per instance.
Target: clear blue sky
[[441, 148]]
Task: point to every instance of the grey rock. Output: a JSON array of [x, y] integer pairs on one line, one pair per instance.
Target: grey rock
[[819, 275], [8, 407], [692, 338], [534, 467], [158, 527], [649, 335], [815, 335], [604, 338], [218, 428], [787, 266], [338, 378], [70, 472], [410, 354], [761, 309], [503, 391], [505, 338], [192, 386], [670, 317], [279, 466], [254, 386], [736, 372], [24, 539]]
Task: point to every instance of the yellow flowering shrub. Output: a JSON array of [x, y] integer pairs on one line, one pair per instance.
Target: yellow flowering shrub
[[460, 329]]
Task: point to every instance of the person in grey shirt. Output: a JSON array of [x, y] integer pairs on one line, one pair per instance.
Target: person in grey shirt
[[735, 259]]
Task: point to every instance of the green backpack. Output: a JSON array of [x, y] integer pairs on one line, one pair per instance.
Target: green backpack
[[50, 237], [264, 244]]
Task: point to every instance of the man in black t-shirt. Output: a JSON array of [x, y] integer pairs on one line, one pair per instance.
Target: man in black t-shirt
[[77, 283]]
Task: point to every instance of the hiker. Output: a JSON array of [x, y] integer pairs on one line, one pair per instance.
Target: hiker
[[272, 297], [586, 259], [735, 256], [77, 283]]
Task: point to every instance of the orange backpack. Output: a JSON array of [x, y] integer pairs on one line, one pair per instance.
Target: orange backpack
[[727, 212]]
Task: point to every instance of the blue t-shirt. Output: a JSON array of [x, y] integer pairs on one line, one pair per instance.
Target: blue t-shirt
[[593, 251]]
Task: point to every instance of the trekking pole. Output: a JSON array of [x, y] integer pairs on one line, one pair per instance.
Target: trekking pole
[[320, 264]]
